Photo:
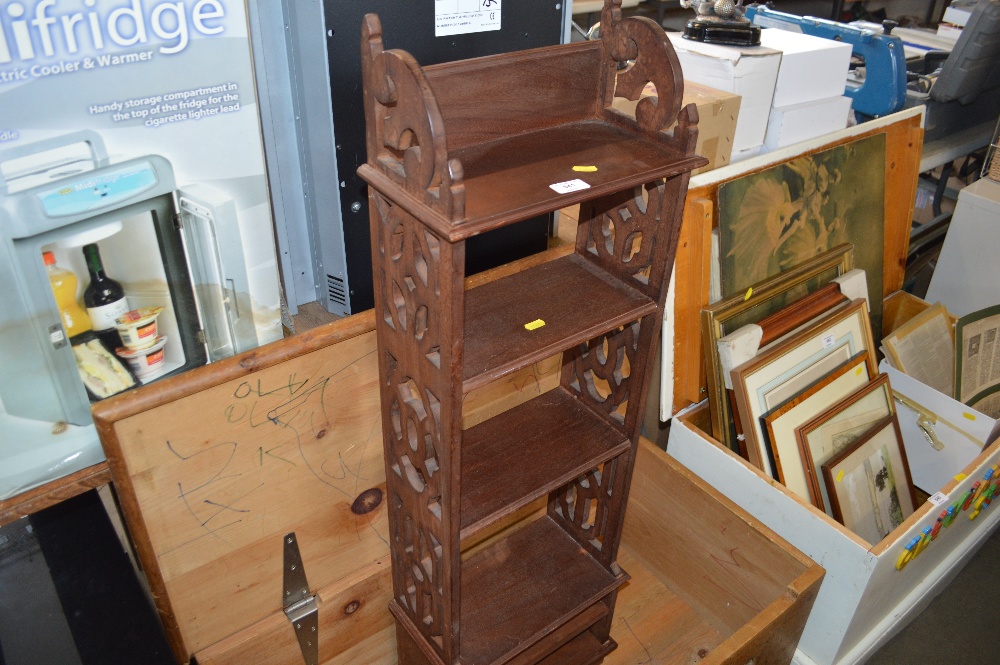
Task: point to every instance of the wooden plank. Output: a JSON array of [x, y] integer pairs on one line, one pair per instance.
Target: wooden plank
[[500, 473], [691, 291], [51, 493], [652, 622], [558, 87]]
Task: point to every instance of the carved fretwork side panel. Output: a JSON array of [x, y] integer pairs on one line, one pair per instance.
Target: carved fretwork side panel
[[413, 266], [584, 507], [600, 372]]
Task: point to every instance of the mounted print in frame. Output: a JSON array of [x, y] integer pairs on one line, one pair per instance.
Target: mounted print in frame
[[777, 218], [869, 483], [781, 422], [839, 426], [792, 365], [764, 299]]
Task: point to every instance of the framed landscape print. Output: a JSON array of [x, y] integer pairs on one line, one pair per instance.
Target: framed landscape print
[[761, 301], [869, 483], [789, 367], [838, 427], [781, 422]]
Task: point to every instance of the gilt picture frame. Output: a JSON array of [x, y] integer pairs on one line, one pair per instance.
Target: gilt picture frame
[[759, 302]]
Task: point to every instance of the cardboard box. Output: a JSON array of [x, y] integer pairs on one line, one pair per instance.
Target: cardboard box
[[871, 590], [717, 115], [750, 72], [811, 67], [799, 122]]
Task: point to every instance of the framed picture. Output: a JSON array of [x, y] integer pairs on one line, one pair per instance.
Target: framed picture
[[869, 483], [778, 217], [764, 299], [838, 427], [789, 367], [780, 423]]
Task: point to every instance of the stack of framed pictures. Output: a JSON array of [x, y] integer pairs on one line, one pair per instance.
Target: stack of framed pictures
[[808, 406]]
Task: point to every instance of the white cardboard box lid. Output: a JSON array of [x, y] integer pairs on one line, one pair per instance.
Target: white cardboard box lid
[[812, 67], [957, 426]]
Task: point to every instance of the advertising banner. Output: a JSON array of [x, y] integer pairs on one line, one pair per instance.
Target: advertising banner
[[173, 79], [131, 162]]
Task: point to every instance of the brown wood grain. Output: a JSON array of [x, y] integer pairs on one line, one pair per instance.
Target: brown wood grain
[[51, 493], [741, 567], [656, 619], [691, 287]]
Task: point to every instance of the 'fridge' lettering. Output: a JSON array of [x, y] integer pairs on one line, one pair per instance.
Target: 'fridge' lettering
[[171, 23]]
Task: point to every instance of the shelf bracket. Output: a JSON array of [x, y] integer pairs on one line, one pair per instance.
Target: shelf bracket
[[299, 604]]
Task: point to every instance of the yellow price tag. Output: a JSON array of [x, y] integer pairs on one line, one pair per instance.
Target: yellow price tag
[[960, 477], [840, 476], [534, 325], [584, 169], [969, 416], [749, 293]]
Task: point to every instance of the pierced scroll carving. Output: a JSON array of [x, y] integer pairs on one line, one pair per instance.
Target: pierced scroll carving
[[410, 278], [599, 371], [584, 506], [408, 262], [642, 54], [408, 141]]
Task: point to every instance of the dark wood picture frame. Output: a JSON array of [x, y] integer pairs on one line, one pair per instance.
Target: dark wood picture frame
[[846, 465], [835, 413], [782, 446]]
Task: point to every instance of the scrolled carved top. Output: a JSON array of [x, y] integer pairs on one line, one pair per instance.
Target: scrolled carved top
[[644, 45], [409, 138]]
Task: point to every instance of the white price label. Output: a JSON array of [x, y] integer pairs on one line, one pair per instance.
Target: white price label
[[828, 341], [938, 498], [570, 186]]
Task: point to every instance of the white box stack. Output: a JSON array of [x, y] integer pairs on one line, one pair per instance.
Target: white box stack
[[808, 96]]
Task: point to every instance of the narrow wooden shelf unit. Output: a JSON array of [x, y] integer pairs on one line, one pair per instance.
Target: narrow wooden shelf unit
[[458, 149]]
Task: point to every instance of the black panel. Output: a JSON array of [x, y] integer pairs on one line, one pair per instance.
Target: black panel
[[109, 616], [409, 25]]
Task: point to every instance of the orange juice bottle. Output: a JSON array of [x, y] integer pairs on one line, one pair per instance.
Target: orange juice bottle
[[63, 282]]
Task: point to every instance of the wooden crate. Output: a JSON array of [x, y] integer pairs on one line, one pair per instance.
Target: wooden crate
[[215, 466], [865, 598]]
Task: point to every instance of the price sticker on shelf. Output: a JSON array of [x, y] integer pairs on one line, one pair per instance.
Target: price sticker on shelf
[[828, 341], [569, 186], [938, 498], [534, 325]]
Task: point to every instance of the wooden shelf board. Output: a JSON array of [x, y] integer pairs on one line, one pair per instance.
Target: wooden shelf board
[[508, 180], [522, 454], [523, 587], [576, 300]]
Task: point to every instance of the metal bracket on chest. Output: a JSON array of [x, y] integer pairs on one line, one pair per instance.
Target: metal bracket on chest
[[300, 605]]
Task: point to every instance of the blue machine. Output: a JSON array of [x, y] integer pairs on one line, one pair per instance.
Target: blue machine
[[883, 89]]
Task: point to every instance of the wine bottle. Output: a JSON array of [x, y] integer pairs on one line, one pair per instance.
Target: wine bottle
[[104, 298]]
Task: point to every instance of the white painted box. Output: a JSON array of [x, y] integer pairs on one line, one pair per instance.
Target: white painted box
[[750, 72], [864, 599], [808, 120], [811, 67]]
